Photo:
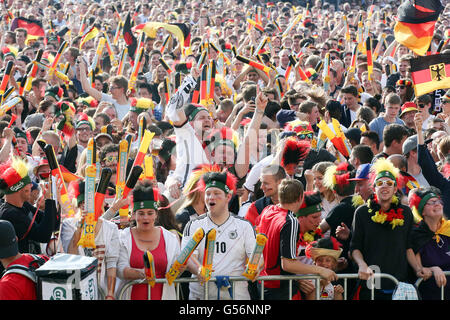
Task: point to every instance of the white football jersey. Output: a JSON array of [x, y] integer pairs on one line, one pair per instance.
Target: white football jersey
[[235, 240]]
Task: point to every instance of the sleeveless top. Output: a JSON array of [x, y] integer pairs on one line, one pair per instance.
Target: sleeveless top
[[140, 291]]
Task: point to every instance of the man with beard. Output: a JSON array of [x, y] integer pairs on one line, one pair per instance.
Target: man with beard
[[84, 131], [408, 110]]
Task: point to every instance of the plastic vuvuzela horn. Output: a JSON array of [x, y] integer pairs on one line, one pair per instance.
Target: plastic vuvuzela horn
[[87, 239], [184, 256], [57, 174], [252, 265], [208, 255], [100, 193], [133, 178]]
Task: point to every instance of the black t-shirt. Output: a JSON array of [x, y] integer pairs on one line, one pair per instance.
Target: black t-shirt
[[184, 216], [381, 246], [342, 213], [21, 218]]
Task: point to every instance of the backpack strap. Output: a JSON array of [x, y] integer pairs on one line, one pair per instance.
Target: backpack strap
[[29, 271], [22, 270]]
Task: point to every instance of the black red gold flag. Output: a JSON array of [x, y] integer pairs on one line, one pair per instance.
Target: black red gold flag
[[415, 24], [34, 27], [181, 31], [430, 73], [129, 38], [90, 34]]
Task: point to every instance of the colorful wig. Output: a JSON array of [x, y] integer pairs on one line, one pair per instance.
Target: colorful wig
[[295, 151], [14, 175]]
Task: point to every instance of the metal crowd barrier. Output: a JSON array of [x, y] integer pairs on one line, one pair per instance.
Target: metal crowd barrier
[[420, 280], [234, 279]]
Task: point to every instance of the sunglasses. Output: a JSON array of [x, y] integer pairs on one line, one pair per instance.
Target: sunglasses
[[110, 159], [400, 87], [388, 183], [305, 136]]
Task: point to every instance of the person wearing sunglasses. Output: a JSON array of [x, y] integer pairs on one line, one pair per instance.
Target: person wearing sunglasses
[[404, 88], [424, 103], [381, 235], [430, 241]]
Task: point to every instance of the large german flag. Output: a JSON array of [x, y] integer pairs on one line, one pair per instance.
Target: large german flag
[[34, 27], [430, 73], [181, 31], [415, 24], [128, 36]]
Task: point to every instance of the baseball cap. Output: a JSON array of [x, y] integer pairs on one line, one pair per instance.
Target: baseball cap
[[409, 144], [362, 173], [8, 240]]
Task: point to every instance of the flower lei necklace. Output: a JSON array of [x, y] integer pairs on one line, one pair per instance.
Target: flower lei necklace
[[394, 216], [309, 236]]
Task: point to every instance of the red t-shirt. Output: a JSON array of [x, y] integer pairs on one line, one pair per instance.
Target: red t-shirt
[[281, 228], [15, 286]]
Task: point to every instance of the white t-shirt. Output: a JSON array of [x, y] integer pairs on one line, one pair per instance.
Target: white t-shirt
[[428, 123], [235, 240], [121, 109]]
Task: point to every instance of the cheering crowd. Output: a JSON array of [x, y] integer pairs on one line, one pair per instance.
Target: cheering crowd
[[272, 118]]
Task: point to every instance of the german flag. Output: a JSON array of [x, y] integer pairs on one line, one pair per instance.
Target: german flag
[[430, 73], [34, 27], [128, 36], [90, 34], [415, 24], [180, 30]]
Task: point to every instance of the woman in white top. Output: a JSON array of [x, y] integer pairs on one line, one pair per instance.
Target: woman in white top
[[135, 241]]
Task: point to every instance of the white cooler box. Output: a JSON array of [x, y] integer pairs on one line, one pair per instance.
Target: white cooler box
[[68, 277]]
